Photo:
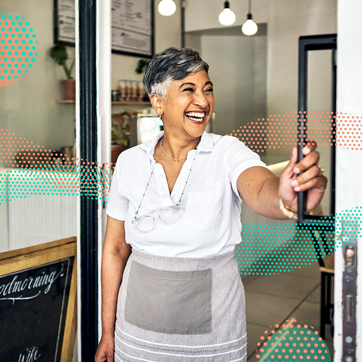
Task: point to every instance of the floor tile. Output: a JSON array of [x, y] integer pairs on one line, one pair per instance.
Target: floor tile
[[308, 313], [248, 279], [311, 271], [267, 309], [283, 285], [253, 358], [315, 297], [255, 331]]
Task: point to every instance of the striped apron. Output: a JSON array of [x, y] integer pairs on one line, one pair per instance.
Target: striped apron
[[181, 309]]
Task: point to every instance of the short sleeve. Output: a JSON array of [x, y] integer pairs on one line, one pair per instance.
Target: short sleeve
[[239, 158], [117, 202]]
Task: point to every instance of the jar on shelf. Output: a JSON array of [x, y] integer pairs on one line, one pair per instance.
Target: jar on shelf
[[128, 87], [140, 91], [122, 90], [134, 84]]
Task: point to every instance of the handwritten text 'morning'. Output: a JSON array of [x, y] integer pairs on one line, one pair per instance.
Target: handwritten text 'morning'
[[17, 285]]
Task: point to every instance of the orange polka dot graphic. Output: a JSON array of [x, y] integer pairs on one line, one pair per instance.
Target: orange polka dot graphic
[[278, 131], [292, 341], [18, 47]]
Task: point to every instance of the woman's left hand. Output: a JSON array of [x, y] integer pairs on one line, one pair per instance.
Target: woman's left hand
[[302, 176]]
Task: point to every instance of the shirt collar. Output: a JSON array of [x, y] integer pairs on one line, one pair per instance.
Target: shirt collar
[[206, 143]]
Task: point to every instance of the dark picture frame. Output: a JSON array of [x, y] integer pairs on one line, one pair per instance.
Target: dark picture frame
[[64, 23], [130, 36]]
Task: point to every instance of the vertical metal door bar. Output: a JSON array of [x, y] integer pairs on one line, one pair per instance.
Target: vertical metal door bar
[[350, 232], [88, 181], [302, 114], [306, 44]]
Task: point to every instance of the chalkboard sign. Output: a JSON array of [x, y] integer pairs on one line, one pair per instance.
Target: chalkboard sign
[[34, 303]]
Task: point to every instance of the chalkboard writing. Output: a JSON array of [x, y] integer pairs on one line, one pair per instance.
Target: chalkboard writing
[[33, 307]]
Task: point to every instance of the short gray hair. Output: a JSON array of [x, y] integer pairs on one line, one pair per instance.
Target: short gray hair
[[169, 65]]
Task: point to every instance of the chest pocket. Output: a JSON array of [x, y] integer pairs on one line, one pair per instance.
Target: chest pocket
[[204, 208]]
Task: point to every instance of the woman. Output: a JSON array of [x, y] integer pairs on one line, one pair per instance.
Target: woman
[[174, 220]]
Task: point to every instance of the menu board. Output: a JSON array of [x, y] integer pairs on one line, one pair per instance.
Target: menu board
[[132, 25]]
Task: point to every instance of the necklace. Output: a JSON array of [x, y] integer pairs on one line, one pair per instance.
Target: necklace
[[153, 168], [175, 159]]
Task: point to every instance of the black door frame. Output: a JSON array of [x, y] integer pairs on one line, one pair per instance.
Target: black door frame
[[87, 17]]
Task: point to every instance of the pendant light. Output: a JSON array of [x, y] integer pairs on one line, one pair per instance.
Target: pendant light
[[166, 7], [227, 17], [249, 27]]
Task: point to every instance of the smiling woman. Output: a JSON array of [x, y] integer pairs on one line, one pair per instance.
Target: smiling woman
[[186, 110], [171, 288]]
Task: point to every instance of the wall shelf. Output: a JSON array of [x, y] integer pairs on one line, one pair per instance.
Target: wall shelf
[[62, 101], [65, 101], [134, 103]]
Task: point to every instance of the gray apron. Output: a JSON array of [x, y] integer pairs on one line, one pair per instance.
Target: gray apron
[[181, 309]]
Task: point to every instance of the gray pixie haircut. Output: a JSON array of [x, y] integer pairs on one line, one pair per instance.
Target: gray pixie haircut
[[169, 65]]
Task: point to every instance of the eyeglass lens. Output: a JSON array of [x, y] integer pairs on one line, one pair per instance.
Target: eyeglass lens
[[145, 224], [169, 216]]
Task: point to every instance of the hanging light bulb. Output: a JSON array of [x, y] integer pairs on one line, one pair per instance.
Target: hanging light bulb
[[227, 17], [249, 27], [166, 7]]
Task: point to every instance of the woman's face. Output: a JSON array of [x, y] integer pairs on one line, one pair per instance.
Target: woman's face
[[189, 104]]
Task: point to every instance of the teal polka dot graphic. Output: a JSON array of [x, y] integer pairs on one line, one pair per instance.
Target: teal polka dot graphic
[[12, 29], [285, 247]]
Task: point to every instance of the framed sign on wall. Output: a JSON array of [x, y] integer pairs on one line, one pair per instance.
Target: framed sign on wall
[[132, 26], [64, 22]]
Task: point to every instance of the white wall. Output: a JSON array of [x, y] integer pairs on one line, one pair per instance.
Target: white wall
[[242, 72]]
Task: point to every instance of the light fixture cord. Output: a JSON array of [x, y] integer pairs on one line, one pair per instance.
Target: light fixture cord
[[249, 12]]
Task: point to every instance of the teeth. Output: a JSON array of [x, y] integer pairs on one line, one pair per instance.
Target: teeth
[[196, 119], [195, 114]]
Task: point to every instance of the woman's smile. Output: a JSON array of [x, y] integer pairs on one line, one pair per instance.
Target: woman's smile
[[196, 117]]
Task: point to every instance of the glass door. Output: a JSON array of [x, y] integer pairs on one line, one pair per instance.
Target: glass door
[[37, 126], [39, 180]]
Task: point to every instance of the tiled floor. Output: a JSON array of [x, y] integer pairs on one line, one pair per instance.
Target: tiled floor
[[271, 300]]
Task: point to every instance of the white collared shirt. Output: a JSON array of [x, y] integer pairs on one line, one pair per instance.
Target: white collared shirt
[[210, 224]]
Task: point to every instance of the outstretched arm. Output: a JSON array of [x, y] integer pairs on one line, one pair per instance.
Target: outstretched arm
[[261, 190]]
